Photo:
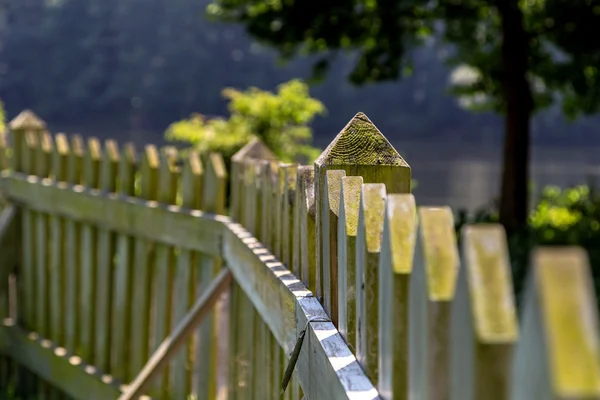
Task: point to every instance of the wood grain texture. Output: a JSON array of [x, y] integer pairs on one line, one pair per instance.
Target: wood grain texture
[[177, 338], [163, 268], [290, 175], [284, 304], [557, 354], [123, 276], [431, 292], [105, 267], [360, 149], [135, 216], [395, 266], [329, 271], [57, 268], [484, 318], [185, 278], [143, 266], [347, 227], [305, 228], [89, 261], [368, 246], [73, 241], [25, 122]]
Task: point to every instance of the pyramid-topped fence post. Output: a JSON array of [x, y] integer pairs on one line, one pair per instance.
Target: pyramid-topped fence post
[[255, 149], [23, 123], [360, 149]]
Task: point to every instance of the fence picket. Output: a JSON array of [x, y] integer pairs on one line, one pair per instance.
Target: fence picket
[[348, 224], [305, 228], [329, 271], [105, 256], [163, 268], [73, 251], [368, 246], [213, 201], [395, 265], [557, 354], [143, 266], [191, 198], [484, 318], [290, 172], [266, 201], [431, 292], [123, 276], [4, 161], [89, 261], [29, 218], [57, 238], [44, 150]]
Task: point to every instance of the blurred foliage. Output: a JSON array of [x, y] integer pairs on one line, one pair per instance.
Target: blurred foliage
[[563, 60], [279, 119], [567, 217], [108, 62]]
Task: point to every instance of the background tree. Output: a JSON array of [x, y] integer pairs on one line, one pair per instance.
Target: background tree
[[279, 119], [524, 55]]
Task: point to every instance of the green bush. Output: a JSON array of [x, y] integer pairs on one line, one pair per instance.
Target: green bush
[[568, 217], [279, 119]]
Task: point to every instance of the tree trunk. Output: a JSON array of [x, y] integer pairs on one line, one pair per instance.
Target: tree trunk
[[519, 106]]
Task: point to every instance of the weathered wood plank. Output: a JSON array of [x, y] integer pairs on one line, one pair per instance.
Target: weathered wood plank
[[177, 338], [190, 229], [73, 242], [255, 149], [57, 269], [162, 273], [327, 369], [209, 334], [484, 325], [395, 266], [143, 267], [557, 353], [368, 246], [329, 272], [361, 150], [348, 224], [56, 365], [25, 122], [43, 154], [105, 266], [431, 291], [290, 173], [123, 276], [89, 261], [191, 198], [305, 228], [28, 272], [10, 256]]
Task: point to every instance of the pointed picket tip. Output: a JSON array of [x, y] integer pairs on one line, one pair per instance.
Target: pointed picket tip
[[254, 149], [27, 120], [360, 143]]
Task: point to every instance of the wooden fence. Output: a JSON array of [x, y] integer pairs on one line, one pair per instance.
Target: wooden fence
[[109, 259]]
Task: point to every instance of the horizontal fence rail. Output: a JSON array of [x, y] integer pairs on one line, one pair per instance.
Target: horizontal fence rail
[[109, 257]]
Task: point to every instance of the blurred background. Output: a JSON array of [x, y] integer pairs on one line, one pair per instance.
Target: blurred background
[[128, 69]]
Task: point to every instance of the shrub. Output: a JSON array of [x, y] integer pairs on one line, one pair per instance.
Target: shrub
[[279, 119]]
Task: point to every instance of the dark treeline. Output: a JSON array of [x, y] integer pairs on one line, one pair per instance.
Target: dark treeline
[[147, 63]]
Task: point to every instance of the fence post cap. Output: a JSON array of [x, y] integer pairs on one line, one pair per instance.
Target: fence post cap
[[255, 148], [360, 143], [27, 120]]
